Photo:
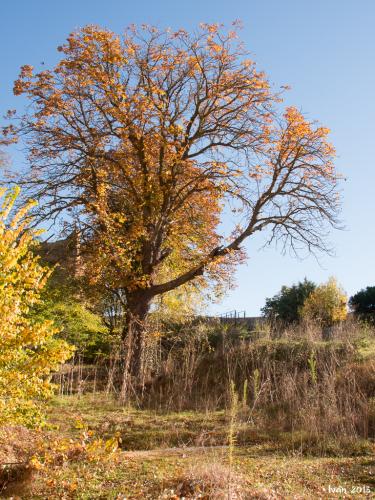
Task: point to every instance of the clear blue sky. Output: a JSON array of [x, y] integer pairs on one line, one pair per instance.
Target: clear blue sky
[[324, 49]]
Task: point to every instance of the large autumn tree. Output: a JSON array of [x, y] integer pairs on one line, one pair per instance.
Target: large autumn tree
[[148, 137]]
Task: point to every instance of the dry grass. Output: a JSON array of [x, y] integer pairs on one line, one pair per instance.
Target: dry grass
[[210, 480], [289, 381], [17, 446], [263, 466], [304, 422]]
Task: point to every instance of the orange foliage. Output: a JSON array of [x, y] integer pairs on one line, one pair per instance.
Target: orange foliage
[[149, 136]]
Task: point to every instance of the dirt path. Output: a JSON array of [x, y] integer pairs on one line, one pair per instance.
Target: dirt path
[[173, 452]]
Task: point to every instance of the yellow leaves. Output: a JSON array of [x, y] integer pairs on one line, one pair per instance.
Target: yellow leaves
[[28, 351], [26, 71], [305, 145], [79, 424], [292, 114], [216, 48], [176, 129], [156, 334], [158, 91], [210, 28], [130, 50], [111, 445], [296, 124], [257, 172], [327, 304], [247, 63], [18, 87], [298, 127], [36, 463], [194, 64], [23, 83]]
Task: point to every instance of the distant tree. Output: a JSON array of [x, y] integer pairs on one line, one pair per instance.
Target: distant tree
[[286, 305], [29, 350], [363, 302], [326, 305]]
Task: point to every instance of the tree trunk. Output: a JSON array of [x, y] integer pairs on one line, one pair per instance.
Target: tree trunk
[[133, 339]]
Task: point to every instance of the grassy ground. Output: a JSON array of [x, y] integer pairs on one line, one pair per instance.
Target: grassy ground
[[171, 456]]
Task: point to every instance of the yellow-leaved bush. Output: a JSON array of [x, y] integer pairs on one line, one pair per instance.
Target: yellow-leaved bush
[[29, 351], [327, 304]]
